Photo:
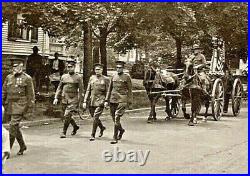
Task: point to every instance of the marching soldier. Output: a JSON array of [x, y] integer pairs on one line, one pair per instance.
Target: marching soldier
[[17, 96], [119, 96], [96, 92], [71, 87]]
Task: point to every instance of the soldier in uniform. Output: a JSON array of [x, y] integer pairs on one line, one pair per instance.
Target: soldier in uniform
[[119, 96], [199, 61], [96, 92], [17, 96], [71, 87]]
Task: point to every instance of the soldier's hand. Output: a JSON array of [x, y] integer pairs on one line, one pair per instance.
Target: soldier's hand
[[129, 105], [106, 104], [55, 101], [84, 105]]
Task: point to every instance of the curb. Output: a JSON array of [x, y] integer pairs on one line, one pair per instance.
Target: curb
[[49, 121]]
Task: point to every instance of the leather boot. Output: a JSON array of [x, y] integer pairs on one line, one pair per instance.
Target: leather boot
[[65, 128], [12, 140], [115, 141], [102, 128], [21, 143], [75, 127], [121, 132], [95, 125]]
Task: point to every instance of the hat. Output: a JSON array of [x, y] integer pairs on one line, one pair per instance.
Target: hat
[[122, 63], [35, 48], [98, 65], [16, 61], [71, 62], [196, 46]]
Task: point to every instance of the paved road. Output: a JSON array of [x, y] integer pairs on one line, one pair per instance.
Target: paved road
[[212, 147]]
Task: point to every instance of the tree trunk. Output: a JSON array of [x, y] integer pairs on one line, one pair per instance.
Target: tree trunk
[[87, 61], [178, 63], [103, 49]]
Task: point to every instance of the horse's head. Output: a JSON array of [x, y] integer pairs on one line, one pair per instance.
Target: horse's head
[[149, 77], [189, 68]]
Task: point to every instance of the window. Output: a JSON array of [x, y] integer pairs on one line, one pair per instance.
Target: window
[[18, 30]]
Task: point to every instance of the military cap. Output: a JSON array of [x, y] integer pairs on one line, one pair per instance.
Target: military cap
[[196, 47], [122, 63], [16, 61], [98, 65], [35, 48], [71, 61]]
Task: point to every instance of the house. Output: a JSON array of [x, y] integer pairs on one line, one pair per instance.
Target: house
[[18, 41]]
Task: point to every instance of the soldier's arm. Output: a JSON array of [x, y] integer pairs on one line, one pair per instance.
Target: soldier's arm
[[4, 90], [80, 89], [87, 94], [30, 91], [130, 95], [110, 87], [59, 88]]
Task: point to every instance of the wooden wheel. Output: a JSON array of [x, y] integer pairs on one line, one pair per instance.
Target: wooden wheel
[[236, 96], [217, 99], [174, 107]]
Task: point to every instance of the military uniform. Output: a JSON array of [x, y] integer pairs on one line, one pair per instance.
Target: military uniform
[[71, 87], [200, 59], [17, 96], [119, 95], [96, 92]]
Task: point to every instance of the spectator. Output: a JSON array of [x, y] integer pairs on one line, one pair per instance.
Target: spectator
[[57, 67], [34, 64]]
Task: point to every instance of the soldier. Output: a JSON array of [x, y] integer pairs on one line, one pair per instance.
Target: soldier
[[96, 91], [119, 96], [71, 87], [17, 96], [199, 60]]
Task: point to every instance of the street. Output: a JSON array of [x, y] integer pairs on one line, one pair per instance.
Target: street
[[175, 147]]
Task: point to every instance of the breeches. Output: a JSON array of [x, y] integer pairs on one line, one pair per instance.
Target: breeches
[[96, 111], [117, 110]]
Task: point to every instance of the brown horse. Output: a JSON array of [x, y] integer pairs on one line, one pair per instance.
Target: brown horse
[[155, 82], [191, 90]]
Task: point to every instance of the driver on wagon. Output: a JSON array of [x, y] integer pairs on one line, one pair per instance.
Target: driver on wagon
[[199, 61]]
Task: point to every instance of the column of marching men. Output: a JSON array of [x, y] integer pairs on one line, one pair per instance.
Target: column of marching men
[[18, 96]]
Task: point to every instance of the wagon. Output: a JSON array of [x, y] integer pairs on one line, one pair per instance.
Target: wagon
[[224, 86]]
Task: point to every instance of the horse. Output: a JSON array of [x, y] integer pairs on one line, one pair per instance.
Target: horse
[[155, 82], [192, 90]]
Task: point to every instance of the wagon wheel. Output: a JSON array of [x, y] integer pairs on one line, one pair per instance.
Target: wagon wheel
[[236, 96], [217, 99], [174, 107]]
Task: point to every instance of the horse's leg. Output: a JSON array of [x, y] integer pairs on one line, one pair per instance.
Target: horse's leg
[[186, 116], [154, 104], [167, 108], [207, 107], [151, 99]]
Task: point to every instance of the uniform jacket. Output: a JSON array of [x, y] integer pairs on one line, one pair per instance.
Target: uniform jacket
[[97, 90], [18, 93], [199, 59], [71, 87], [120, 89]]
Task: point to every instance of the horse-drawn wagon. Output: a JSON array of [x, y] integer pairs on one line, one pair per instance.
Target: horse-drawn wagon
[[222, 86]]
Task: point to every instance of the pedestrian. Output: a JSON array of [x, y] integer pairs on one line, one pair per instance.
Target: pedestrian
[[34, 64], [17, 96], [96, 92], [57, 67], [71, 89], [119, 97], [5, 144]]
